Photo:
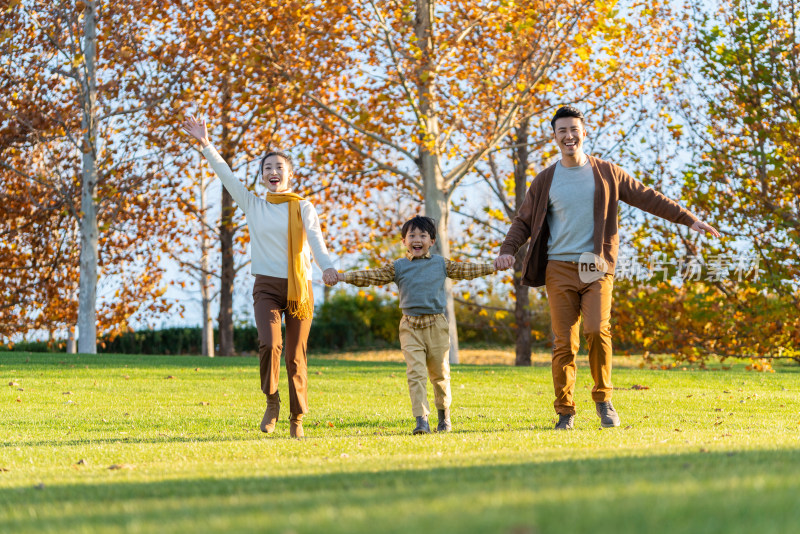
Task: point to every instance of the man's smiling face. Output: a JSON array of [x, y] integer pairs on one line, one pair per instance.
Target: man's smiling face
[[418, 242], [570, 133]]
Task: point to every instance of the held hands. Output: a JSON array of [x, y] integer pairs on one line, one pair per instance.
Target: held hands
[[197, 129], [700, 226], [503, 261], [330, 277]]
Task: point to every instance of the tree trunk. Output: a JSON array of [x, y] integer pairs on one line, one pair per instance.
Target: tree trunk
[[437, 201], [205, 283], [226, 234], [72, 346], [87, 299], [522, 313]]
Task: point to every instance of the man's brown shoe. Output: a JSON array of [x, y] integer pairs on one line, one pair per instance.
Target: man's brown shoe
[[271, 413], [296, 426]]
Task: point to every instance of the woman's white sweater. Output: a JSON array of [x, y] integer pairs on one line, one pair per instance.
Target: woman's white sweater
[[269, 225]]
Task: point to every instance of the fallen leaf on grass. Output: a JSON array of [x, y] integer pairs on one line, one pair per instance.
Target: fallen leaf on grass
[[115, 467], [3, 470], [678, 430], [12, 383], [66, 393], [345, 455], [639, 386], [330, 424], [81, 462], [39, 486], [169, 377], [19, 399], [126, 377], [203, 403]]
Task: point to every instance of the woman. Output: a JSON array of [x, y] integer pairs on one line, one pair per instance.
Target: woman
[[282, 228]]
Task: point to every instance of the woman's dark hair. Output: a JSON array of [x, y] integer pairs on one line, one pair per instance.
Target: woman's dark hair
[[567, 111], [287, 158], [425, 224]]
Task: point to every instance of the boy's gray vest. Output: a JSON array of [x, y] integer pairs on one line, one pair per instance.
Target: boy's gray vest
[[421, 285]]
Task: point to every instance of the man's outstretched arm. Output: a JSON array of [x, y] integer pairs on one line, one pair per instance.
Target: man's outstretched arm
[[646, 198]]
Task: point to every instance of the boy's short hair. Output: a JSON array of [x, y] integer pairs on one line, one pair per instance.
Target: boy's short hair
[[567, 111], [425, 224]]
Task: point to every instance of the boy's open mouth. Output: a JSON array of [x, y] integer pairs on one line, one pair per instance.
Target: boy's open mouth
[[416, 247]]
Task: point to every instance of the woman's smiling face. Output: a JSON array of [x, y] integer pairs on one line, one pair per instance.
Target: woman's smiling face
[[275, 172]]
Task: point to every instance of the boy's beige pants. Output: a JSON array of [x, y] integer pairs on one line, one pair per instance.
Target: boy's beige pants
[[427, 349]]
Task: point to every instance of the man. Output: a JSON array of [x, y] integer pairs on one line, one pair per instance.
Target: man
[[570, 216]]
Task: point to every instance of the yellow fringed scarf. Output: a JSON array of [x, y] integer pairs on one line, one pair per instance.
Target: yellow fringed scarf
[[300, 304]]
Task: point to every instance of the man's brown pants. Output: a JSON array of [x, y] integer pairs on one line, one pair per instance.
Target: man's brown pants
[[269, 302], [570, 299]]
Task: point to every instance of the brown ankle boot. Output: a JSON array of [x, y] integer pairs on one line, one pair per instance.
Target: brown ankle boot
[[296, 426], [271, 413]]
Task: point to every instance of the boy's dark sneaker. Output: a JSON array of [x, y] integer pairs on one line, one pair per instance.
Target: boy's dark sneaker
[[422, 425], [607, 414], [444, 421], [565, 422]]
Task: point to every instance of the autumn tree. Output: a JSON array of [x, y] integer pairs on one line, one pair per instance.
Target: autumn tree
[[79, 77], [194, 247], [740, 114]]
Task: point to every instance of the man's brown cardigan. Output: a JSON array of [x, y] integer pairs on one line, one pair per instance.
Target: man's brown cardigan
[[612, 184]]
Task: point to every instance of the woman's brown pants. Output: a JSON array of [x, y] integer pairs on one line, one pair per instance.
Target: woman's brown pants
[[269, 302]]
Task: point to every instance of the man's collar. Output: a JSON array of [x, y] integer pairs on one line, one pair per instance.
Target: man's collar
[[412, 257]]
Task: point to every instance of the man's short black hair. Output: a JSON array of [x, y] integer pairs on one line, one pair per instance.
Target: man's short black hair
[[425, 224], [567, 111]]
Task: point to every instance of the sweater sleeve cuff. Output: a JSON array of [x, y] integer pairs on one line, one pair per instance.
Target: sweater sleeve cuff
[[507, 249], [688, 219], [325, 263]]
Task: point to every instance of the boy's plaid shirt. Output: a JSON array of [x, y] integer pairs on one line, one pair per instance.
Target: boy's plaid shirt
[[383, 275]]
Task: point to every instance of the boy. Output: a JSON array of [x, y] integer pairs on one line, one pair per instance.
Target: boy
[[424, 331]]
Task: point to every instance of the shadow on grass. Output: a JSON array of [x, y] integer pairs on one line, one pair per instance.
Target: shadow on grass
[[741, 492]]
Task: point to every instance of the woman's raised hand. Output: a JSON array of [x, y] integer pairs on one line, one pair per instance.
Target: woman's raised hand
[[197, 129]]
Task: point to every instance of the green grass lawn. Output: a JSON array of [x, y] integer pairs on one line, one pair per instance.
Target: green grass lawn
[[699, 451]]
